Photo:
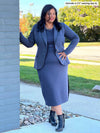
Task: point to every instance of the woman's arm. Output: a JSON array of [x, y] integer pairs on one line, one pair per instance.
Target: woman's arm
[[73, 37], [30, 41]]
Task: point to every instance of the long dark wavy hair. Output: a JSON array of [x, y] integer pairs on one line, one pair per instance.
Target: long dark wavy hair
[[41, 22]]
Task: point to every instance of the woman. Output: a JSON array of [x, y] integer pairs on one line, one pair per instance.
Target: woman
[[51, 60]]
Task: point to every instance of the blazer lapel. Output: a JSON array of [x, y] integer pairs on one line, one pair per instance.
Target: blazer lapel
[[44, 36], [55, 34]]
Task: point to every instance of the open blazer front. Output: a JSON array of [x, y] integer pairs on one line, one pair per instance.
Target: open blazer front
[[40, 39]]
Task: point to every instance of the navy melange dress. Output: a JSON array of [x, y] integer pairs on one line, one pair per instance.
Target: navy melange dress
[[53, 75]]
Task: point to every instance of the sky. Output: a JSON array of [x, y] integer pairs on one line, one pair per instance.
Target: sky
[[37, 6]]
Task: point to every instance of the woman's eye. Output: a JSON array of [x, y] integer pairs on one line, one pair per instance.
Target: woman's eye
[[51, 14]]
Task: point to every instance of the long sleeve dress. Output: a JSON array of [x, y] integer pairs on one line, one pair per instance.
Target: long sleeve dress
[[53, 75]]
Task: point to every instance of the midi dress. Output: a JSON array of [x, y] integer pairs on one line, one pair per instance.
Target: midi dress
[[53, 75]]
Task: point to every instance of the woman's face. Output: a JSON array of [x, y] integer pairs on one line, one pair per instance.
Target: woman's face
[[50, 16]]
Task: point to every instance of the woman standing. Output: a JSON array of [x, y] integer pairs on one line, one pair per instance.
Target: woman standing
[[51, 60]]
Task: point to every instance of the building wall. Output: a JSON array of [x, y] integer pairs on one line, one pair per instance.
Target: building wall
[[9, 65]]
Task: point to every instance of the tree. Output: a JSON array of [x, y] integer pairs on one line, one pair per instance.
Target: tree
[[23, 24], [84, 18], [27, 22]]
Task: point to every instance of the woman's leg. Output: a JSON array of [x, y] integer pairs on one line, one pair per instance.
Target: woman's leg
[[57, 109], [52, 108], [52, 119], [61, 119]]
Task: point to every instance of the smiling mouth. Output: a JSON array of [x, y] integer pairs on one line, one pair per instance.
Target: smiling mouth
[[51, 19]]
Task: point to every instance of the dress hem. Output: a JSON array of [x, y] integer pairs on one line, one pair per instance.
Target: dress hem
[[57, 104]]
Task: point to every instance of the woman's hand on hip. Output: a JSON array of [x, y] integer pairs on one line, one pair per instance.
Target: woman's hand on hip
[[63, 55]]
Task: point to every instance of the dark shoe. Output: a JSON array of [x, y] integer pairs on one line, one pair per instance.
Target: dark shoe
[[61, 123], [52, 118]]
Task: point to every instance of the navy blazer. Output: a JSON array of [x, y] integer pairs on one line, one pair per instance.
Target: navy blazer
[[40, 39]]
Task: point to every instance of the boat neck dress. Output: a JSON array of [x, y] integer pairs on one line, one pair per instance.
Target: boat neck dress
[[53, 75]]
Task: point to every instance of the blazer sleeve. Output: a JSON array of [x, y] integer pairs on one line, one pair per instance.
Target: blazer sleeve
[[30, 41], [72, 36]]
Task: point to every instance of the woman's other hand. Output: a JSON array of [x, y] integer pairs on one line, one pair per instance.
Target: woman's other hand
[[63, 55]]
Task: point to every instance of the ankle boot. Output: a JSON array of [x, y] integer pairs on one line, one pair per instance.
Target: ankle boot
[[61, 123], [52, 118]]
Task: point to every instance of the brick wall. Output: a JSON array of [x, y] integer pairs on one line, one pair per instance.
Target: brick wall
[[9, 65]]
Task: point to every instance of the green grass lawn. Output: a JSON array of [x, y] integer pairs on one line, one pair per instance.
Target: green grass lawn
[[82, 77], [97, 61], [82, 44], [27, 55]]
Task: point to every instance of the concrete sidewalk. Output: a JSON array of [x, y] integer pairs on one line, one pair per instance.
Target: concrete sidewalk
[[78, 104], [83, 105], [72, 125]]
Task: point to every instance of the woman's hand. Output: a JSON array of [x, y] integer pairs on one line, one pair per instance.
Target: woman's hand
[[63, 54], [19, 29]]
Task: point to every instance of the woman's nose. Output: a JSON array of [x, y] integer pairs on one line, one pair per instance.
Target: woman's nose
[[51, 15]]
